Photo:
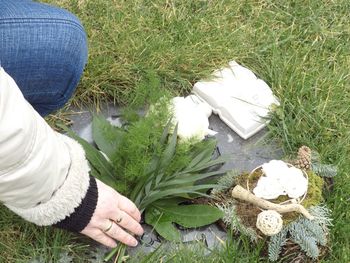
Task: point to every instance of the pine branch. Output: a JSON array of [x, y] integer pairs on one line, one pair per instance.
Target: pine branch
[[226, 182], [324, 170], [232, 220], [314, 230], [276, 243], [300, 236], [322, 216]]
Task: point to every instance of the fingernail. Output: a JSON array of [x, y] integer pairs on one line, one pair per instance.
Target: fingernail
[[135, 243]]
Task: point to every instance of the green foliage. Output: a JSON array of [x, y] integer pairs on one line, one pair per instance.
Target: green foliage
[[226, 182], [156, 182], [306, 242], [232, 220], [108, 138], [308, 234], [324, 170], [162, 214], [100, 166], [138, 146], [276, 243]]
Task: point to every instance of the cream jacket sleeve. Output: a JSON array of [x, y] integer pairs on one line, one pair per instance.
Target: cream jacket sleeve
[[44, 176]]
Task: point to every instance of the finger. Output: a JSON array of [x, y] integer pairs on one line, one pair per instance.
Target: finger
[[129, 207], [126, 221], [119, 234], [100, 237]]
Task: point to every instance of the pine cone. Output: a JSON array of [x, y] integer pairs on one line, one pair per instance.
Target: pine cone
[[304, 158]]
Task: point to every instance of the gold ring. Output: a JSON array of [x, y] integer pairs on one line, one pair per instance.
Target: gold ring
[[119, 220], [109, 227]]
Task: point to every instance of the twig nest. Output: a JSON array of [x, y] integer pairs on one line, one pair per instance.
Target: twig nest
[[280, 179], [269, 222]]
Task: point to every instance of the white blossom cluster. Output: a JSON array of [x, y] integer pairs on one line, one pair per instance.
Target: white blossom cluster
[[191, 115], [280, 179]]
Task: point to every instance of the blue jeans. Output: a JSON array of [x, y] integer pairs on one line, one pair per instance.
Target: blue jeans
[[44, 49]]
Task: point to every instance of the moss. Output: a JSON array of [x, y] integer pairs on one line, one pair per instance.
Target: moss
[[314, 192]]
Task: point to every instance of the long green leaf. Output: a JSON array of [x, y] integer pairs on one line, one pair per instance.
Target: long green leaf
[[169, 151], [189, 215], [157, 195], [191, 178], [107, 137], [204, 155], [105, 170], [219, 160], [162, 224]]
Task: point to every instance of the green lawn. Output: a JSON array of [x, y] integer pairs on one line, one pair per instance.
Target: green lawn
[[300, 48]]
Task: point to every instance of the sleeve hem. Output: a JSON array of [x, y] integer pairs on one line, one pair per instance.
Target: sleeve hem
[[81, 216], [68, 197]]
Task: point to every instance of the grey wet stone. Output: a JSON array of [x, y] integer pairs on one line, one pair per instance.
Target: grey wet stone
[[246, 155]]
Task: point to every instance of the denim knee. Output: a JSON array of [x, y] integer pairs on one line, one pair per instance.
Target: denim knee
[[44, 49]]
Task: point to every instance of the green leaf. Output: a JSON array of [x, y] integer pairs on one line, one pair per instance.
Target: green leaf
[[189, 215], [204, 155], [157, 194], [107, 137], [102, 169], [189, 178], [162, 214], [162, 224], [169, 151], [201, 166]]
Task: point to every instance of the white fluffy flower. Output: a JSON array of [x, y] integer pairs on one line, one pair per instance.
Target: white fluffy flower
[[268, 188], [274, 168], [279, 179], [191, 119], [296, 185]]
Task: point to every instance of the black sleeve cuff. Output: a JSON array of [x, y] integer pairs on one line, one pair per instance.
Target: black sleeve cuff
[[82, 214]]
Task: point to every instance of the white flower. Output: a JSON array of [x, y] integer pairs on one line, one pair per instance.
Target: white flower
[[274, 168], [268, 188], [192, 121], [279, 179], [297, 183]]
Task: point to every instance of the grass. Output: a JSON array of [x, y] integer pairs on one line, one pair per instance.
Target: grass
[[138, 48]]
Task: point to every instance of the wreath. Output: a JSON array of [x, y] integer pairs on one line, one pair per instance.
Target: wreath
[[282, 203]]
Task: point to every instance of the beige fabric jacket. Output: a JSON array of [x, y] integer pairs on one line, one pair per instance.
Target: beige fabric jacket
[[43, 174]]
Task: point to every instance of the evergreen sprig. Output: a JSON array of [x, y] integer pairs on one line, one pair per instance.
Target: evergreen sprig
[[306, 233], [232, 220], [276, 243], [323, 170]]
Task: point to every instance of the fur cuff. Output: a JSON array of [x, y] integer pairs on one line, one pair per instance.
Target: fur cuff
[[68, 197]]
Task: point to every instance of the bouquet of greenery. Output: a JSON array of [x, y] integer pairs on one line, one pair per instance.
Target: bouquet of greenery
[[162, 172]]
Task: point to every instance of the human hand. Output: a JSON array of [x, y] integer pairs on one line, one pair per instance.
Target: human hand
[[114, 216]]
